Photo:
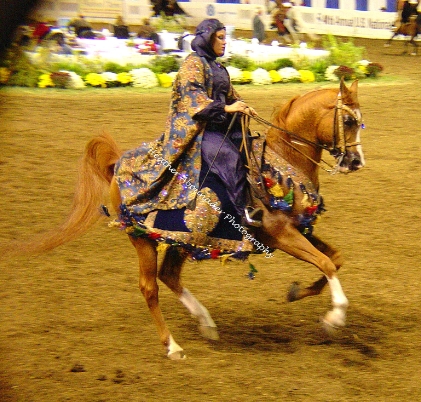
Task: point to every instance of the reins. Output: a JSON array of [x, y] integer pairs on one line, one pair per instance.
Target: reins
[[339, 143]]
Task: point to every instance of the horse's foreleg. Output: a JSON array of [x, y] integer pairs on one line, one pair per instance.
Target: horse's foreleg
[[388, 43], [148, 285], [415, 46], [295, 292], [291, 241], [170, 274]]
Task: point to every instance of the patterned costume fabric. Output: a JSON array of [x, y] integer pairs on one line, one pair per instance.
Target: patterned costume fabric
[[193, 160], [164, 174]]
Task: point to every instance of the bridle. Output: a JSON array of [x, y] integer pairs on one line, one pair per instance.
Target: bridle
[[339, 142]]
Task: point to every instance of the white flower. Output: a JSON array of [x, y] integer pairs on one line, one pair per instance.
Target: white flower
[[109, 77], [260, 77], [235, 74], [173, 74], [329, 73], [289, 74], [144, 78], [363, 63], [76, 81]]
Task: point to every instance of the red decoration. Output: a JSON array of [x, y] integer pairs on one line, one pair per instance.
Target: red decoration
[[311, 210], [268, 182], [215, 253], [154, 236]]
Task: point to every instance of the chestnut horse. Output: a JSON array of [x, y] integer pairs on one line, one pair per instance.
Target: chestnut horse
[[411, 29], [321, 120]]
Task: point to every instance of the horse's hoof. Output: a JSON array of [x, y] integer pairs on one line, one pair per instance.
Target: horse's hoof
[[177, 355], [293, 292], [328, 327], [210, 333], [333, 321]]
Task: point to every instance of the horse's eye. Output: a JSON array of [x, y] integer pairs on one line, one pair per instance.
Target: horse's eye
[[349, 120]]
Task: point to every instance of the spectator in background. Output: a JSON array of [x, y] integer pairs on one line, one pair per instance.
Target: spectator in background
[[296, 25], [41, 29], [83, 28], [278, 19], [61, 46], [121, 30], [147, 31], [258, 25]]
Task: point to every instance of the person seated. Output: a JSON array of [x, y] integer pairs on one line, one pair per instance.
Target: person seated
[[121, 30], [203, 136], [147, 31], [61, 46], [83, 28]]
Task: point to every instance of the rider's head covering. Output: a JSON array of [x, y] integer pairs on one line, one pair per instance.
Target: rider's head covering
[[202, 43]]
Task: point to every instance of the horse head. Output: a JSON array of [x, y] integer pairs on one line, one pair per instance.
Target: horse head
[[338, 124], [324, 119], [346, 146]]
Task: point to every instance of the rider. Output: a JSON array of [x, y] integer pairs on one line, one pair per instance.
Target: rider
[[198, 136]]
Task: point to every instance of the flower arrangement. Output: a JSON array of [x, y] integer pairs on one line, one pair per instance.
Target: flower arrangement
[[95, 80], [76, 81], [60, 79], [165, 80], [306, 76], [330, 73], [235, 74], [260, 77], [289, 74], [275, 76], [45, 81], [344, 72], [344, 60], [4, 75], [144, 78]]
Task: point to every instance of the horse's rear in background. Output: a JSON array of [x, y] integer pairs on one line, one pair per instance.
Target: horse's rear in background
[[411, 29]]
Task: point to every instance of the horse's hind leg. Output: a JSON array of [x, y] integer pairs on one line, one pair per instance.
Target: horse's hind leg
[[295, 292], [170, 274], [148, 285]]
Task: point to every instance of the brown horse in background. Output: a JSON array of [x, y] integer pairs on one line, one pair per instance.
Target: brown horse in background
[[411, 29], [320, 120]]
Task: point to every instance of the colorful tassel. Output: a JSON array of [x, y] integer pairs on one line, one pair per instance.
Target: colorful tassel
[[276, 190], [162, 247], [289, 198], [305, 202]]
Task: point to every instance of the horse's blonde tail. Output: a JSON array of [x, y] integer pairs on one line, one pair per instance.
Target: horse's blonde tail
[[95, 174]]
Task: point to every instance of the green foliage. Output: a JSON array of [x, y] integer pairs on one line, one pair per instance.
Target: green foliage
[[170, 24], [282, 63], [318, 67], [374, 69], [241, 62], [342, 53], [23, 72], [113, 67], [164, 64]]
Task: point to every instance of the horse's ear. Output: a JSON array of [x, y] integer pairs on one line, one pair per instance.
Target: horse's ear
[[349, 92], [342, 86], [354, 87]]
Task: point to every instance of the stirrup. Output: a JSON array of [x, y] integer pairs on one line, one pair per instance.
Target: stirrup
[[253, 217]]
